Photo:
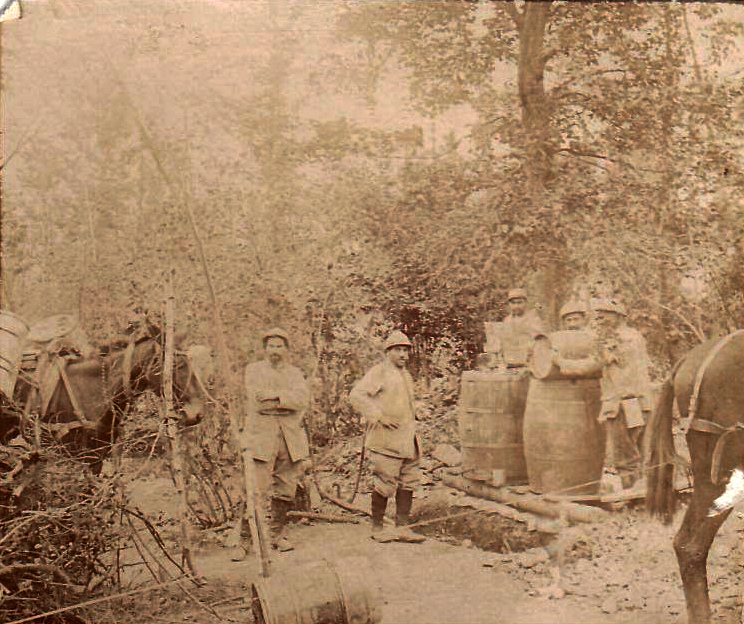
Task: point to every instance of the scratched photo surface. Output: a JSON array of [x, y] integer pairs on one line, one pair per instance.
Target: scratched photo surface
[[361, 311]]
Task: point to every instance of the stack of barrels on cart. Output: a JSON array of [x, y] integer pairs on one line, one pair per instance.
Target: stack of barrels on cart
[[525, 421]]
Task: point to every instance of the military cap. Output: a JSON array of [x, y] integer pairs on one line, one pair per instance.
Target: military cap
[[517, 293], [608, 305], [397, 339], [275, 332], [572, 307]]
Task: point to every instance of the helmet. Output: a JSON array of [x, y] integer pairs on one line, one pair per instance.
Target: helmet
[[573, 307], [517, 293], [275, 332], [397, 339], [608, 305]]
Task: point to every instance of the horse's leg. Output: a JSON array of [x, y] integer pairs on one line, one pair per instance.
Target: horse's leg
[[695, 537], [691, 545]]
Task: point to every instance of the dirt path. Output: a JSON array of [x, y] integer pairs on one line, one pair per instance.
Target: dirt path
[[619, 571]]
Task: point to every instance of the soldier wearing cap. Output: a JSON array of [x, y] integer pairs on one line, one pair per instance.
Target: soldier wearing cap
[[626, 388], [277, 396], [512, 339], [573, 316], [384, 397], [519, 316]]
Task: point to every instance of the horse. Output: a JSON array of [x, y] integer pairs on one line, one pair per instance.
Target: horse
[[708, 385], [82, 401]]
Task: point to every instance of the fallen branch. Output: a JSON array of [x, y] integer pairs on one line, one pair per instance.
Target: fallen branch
[[309, 515], [344, 505]]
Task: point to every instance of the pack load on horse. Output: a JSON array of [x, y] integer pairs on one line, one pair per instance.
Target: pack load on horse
[[708, 386], [77, 395]]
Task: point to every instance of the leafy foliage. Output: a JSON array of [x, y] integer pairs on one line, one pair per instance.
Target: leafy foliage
[[605, 155]]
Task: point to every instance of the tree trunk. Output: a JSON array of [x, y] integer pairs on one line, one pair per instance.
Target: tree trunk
[[530, 76], [539, 153], [664, 205]]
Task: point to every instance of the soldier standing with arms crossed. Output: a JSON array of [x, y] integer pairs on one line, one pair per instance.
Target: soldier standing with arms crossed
[[277, 397], [384, 397]]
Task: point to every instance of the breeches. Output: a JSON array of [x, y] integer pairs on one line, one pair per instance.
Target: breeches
[[391, 473], [278, 477], [622, 451]]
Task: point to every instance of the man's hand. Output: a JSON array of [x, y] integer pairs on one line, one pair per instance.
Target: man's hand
[[387, 423]]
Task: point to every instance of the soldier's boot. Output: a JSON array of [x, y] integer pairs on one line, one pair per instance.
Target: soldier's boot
[[379, 533], [240, 542], [279, 521], [403, 502]]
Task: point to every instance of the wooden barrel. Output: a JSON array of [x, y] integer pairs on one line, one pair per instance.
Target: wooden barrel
[[13, 331], [570, 345], [340, 592], [563, 442], [490, 420]]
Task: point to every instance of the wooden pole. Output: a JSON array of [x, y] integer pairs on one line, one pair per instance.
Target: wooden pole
[[527, 502], [254, 508], [172, 431]]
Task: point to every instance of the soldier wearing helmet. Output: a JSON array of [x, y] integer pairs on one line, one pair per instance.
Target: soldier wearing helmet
[[277, 397], [384, 397], [573, 316], [626, 388]]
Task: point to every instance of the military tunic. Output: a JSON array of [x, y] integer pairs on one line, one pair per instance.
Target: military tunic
[[276, 401], [386, 391], [625, 377]]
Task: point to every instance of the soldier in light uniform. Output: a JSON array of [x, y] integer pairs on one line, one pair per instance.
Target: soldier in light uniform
[[384, 397], [573, 316], [277, 397], [510, 341], [520, 319], [626, 388]]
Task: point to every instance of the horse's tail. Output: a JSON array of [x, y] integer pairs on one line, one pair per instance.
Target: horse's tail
[[660, 454]]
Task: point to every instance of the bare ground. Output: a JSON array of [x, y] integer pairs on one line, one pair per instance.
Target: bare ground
[[622, 570]]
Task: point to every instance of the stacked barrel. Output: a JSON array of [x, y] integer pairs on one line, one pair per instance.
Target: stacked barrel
[[536, 424], [13, 331], [491, 412]]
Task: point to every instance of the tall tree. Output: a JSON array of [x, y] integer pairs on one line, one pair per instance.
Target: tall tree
[[600, 90]]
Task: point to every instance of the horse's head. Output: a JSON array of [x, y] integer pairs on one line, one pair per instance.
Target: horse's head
[[142, 364], [193, 371]]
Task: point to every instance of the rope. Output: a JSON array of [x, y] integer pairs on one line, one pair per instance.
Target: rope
[[475, 511]]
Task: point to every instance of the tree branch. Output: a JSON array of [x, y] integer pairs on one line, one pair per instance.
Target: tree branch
[[575, 152], [513, 11], [598, 72], [549, 55], [698, 333], [691, 44]]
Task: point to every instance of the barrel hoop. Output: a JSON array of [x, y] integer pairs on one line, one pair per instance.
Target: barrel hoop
[[483, 410]]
